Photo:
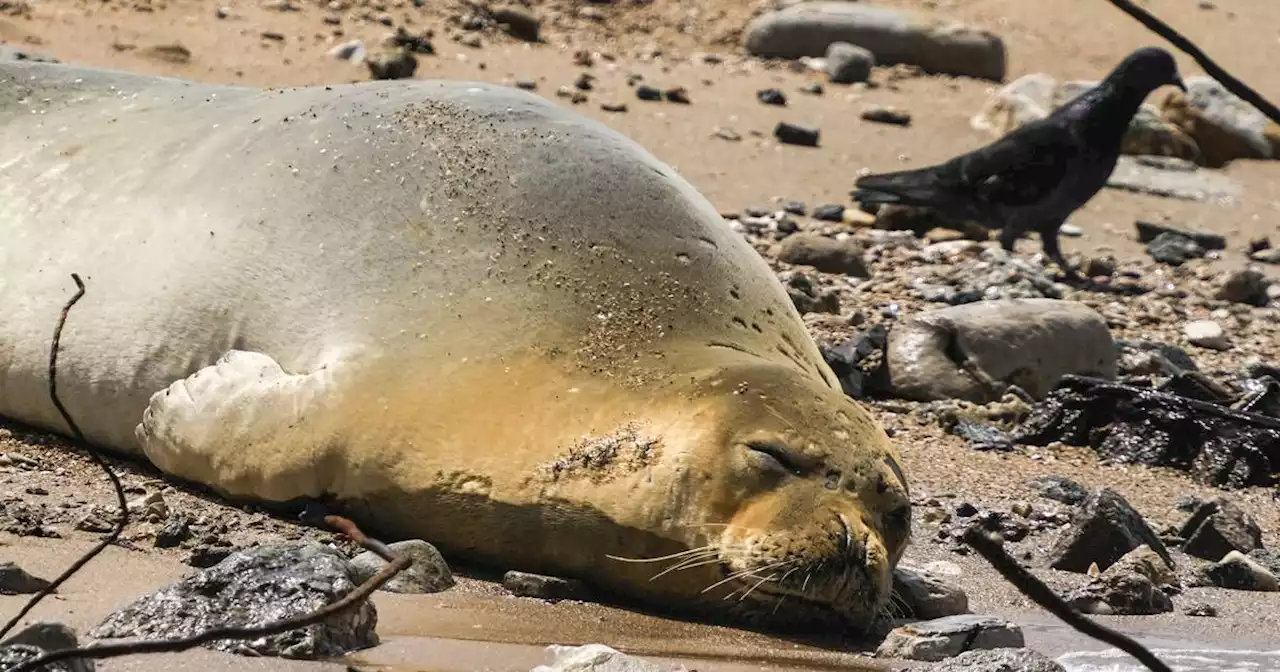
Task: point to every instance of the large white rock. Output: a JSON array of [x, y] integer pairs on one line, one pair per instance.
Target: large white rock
[[1031, 343], [892, 35]]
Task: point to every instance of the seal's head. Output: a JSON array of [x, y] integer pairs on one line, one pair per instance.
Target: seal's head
[[807, 501]]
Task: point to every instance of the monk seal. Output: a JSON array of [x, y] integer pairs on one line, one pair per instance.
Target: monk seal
[[459, 310]]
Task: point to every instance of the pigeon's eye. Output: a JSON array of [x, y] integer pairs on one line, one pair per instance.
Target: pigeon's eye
[[774, 456]]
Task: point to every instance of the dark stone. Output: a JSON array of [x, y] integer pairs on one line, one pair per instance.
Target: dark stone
[[855, 360], [1124, 593], [965, 510], [585, 82], [518, 22], [1059, 489], [677, 94], [794, 207], [522, 584], [46, 635], [791, 134], [175, 531], [1260, 396], [1149, 231], [15, 580], [1174, 249], [1215, 445], [646, 92], [829, 212], [418, 44], [771, 97], [204, 556], [399, 64], [1102, 530], [1218, 527], [885, 115], [250, 588], [980, 435], [1245, 286], [526, 84], [999, 660]]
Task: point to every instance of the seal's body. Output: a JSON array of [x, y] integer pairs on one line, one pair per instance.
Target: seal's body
[[470, 315]]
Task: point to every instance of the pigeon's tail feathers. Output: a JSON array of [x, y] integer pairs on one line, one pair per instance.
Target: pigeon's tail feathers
[[916, 187]]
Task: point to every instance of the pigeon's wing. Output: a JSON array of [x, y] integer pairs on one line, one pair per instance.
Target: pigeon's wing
[[1021, 168]]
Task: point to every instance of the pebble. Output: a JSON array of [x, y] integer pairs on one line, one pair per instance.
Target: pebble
[[1059, 489], [677, 94], [526, 84], [1200, 609], [646, 92], [829, 212], [772, 97], [848, 64], [887, 115], [828, 255], [518, 22], [1245, 286], [1206, 334], [523, 584], [613, 107], [792, 134]]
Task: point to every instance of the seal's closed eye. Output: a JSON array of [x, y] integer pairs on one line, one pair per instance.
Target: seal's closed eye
[[775, 455]]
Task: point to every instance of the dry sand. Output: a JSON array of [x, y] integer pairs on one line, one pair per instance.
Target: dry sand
[[477, 627]]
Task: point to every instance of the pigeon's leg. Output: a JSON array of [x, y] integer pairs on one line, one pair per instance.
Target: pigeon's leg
[[1049, 241], [1009, 235]]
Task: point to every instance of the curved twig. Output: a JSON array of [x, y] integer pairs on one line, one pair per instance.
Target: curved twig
[[123, 518], [1215, 71], [1028, 585]]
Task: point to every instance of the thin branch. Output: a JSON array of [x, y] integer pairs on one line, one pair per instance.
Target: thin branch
[[123, 518], [395, 565], [1028, 585], [1232, 84]]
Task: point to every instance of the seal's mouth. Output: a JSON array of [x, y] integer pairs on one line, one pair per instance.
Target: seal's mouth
[[835, 587]]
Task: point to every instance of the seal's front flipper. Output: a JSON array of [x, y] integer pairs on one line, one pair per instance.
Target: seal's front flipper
[[247, 427]]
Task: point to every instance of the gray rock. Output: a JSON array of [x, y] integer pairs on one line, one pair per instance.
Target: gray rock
[[1218, 527], [1206, 334], [824, 254], [1059, 489], [1169, 177], [15, 580], [46, 635], [40, 638], [1103, 530], [1174, 249], [1245, 286], [12, 656], [1149, 231], [829, 212], [175, 531], [1200, 609], [429, 573], [524, 584], [599, 658], [950, 636], [399, 63], [1224, 126], [252, 587], [893, 36], [1241, 572], [926, 595], [999, 660], [848, 63], [1120, 593], [887, 115], [795, 134], [975, 351]]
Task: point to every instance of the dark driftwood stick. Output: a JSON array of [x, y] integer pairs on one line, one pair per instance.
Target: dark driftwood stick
[[123, 518], [1215, 71], [1042, 595]]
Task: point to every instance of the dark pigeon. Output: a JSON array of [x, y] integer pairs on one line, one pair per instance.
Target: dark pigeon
[[1035, 176]]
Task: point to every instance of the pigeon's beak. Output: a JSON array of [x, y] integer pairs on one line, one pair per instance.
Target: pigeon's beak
[[1177, 81]]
